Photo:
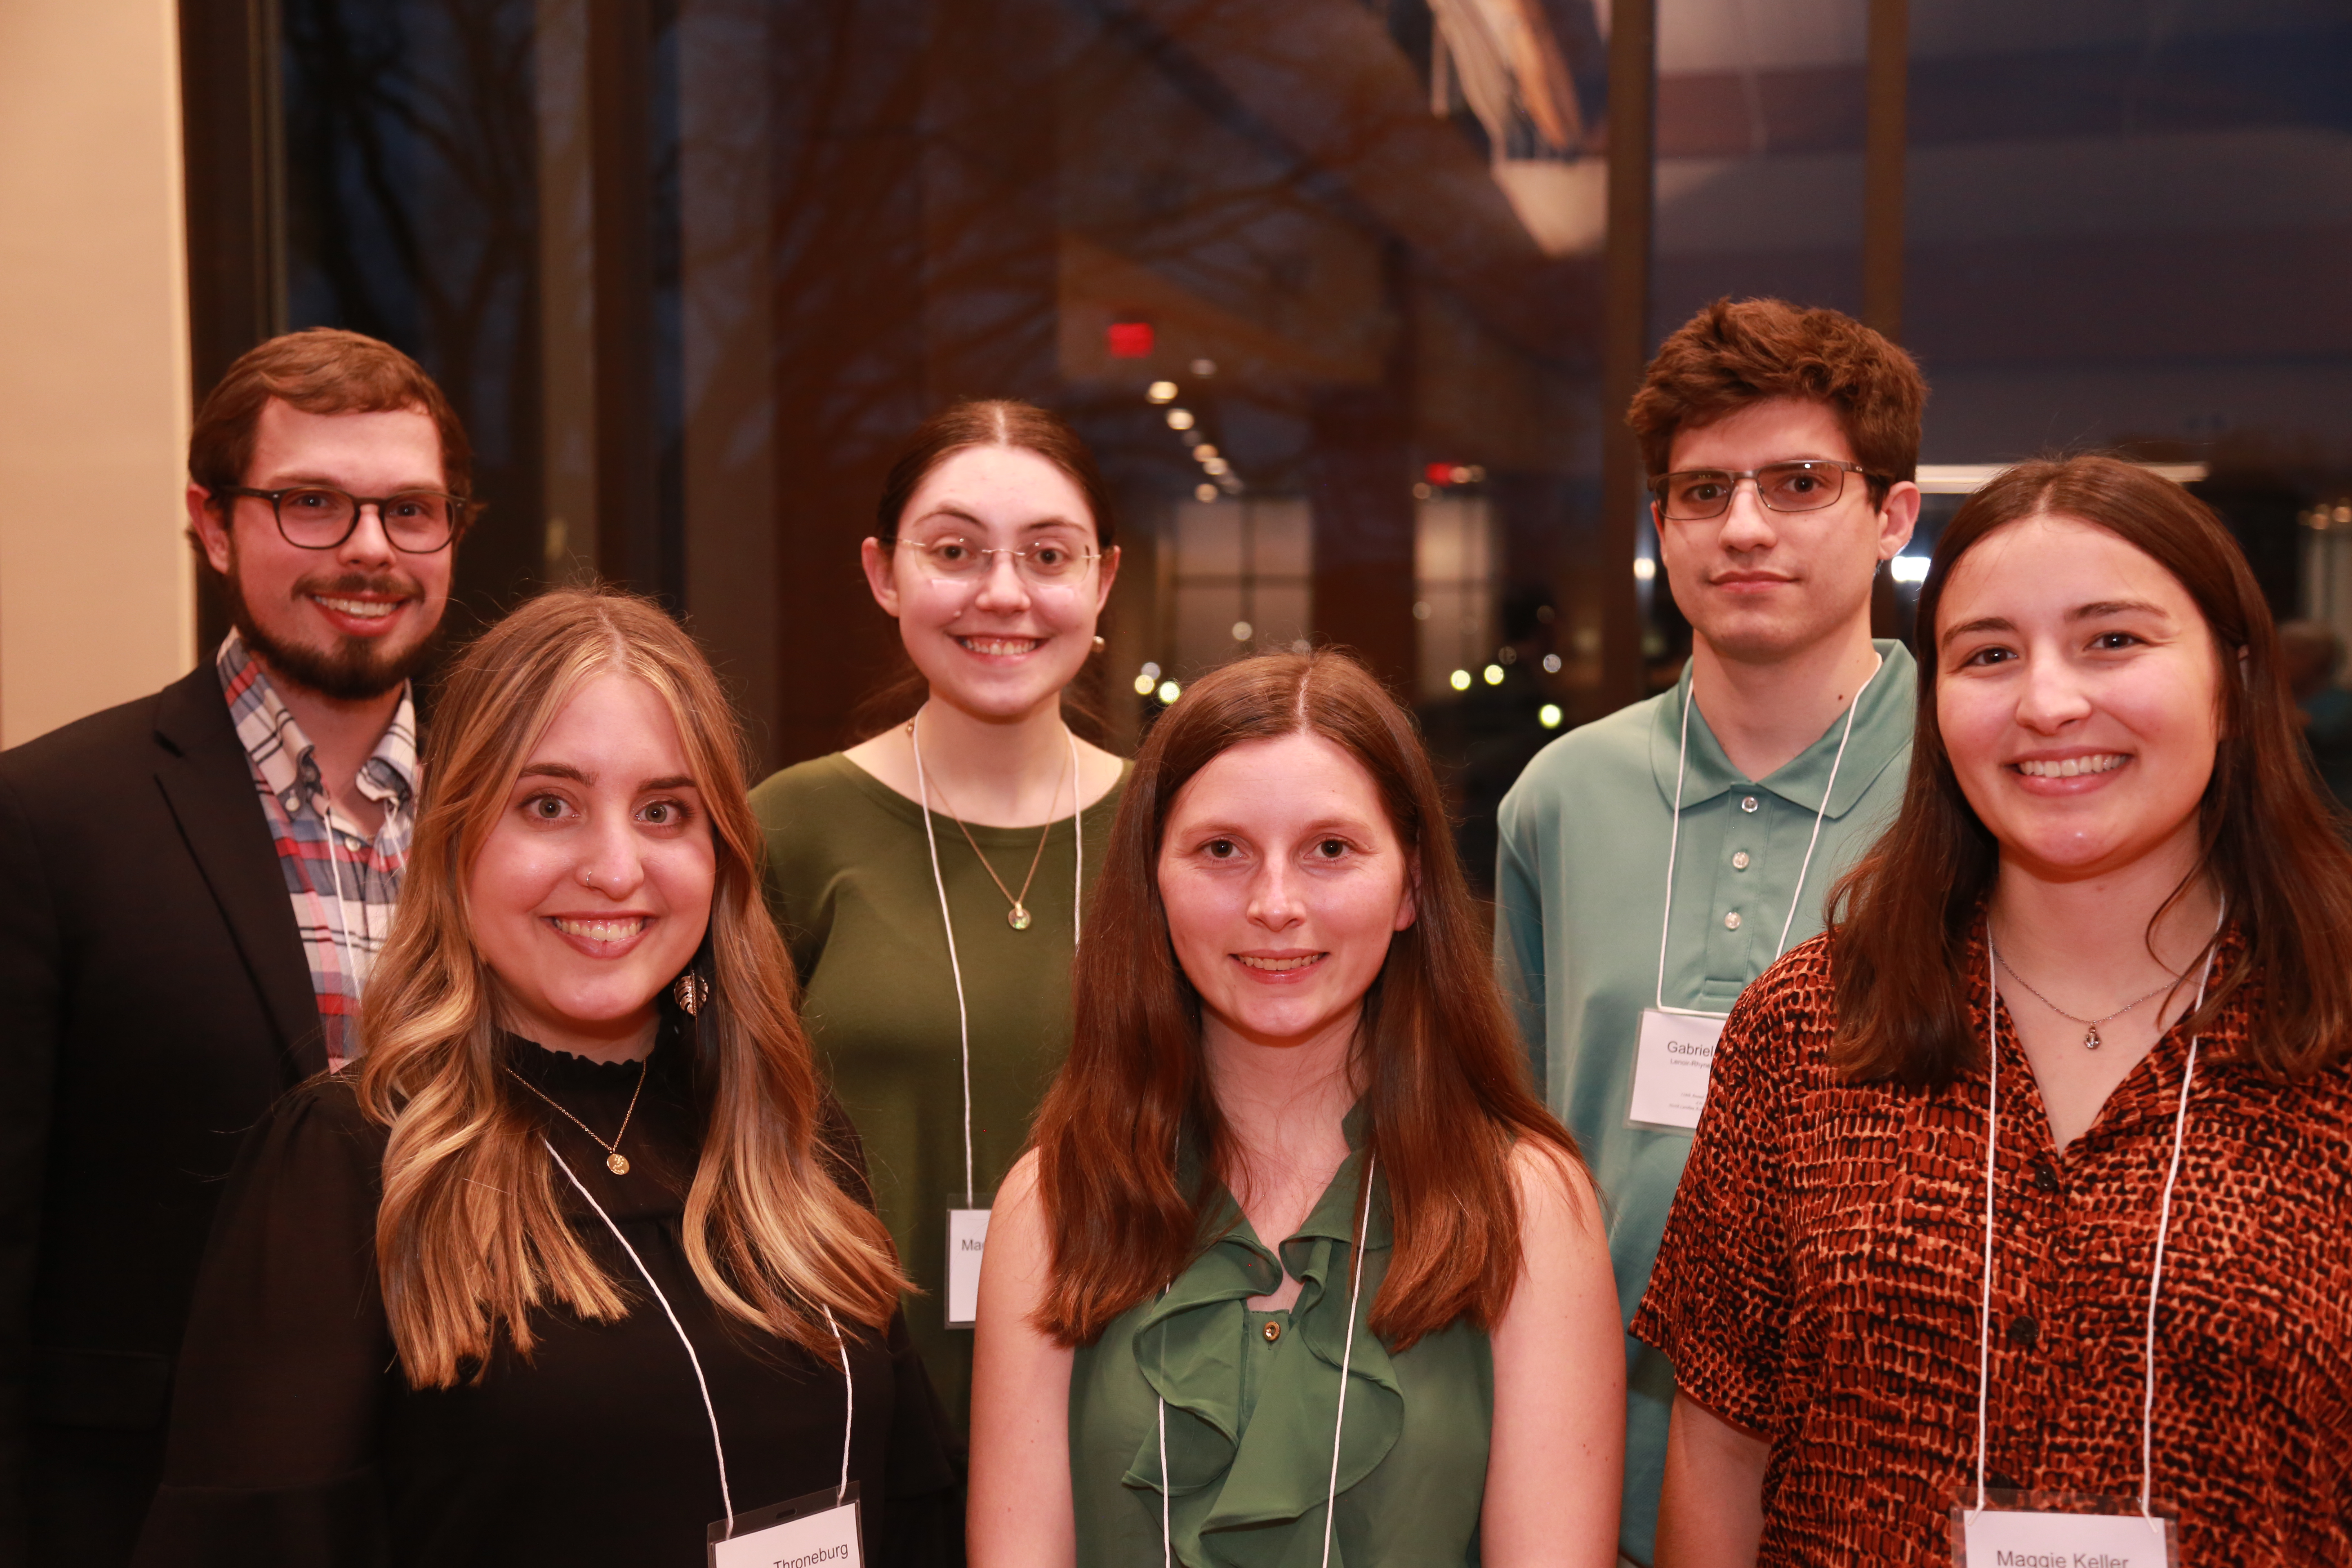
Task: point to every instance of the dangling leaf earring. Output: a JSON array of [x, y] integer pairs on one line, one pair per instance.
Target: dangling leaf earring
[[691, 993]]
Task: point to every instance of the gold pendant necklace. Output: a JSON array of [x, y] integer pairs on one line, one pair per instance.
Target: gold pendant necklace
[[1018, 916], [615, 1161]]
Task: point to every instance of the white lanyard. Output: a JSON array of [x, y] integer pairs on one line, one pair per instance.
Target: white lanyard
[[1674, 835], [342, 909], [848, 1383], [1338, 1422], [1077, 898], [2163, 1229]]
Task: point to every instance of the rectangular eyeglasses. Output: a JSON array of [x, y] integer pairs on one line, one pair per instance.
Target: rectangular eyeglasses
[[319, 517], [1050, 563], [1807, 484]]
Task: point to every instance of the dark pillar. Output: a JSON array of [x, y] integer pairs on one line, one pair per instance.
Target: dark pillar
[[1598, 594], [621, 226], [1886, 88], [991, 224], [1360, 488], [848, 366], [231, 129]]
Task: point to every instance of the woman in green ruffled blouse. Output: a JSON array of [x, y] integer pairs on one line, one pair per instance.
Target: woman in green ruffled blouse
[[1299, 1271]]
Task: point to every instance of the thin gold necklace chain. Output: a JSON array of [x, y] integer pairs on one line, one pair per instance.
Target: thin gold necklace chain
[[2091, 1025], [615, 1161], [1019, 914]]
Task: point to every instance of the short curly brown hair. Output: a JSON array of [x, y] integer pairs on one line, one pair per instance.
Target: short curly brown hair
[[1739, 351]]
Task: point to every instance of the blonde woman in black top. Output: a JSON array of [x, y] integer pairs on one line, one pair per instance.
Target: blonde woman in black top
[[577, 1262]]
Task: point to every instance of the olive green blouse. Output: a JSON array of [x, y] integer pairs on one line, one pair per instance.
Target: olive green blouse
[[849, 881], [1251, 1398]]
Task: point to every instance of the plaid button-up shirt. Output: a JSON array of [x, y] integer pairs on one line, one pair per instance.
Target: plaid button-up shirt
[[343, 886]]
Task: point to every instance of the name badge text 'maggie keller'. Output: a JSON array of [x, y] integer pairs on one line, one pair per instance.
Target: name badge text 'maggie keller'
[[819, 1531], [1671, 1064], [967, 1241], [2003, 1537]]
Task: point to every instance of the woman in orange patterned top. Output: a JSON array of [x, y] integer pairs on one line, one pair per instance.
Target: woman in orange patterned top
[[2020, 1193]]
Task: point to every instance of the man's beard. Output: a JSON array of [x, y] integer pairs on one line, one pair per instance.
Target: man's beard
[[356, 669]]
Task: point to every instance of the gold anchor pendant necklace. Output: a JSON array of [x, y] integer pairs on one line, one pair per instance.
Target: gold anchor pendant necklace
[[1018, 916], [2091, 1041], [615, 1161]]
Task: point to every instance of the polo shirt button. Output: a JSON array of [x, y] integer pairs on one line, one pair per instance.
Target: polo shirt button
[[2024, 1331], [1272, 1330], [1731, 920], [1739, 861], [2044, 1176], [1748, 802]]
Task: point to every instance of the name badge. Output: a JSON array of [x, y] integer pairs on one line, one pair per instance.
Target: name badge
[[967, 1241], [2027, 1538], [819, 1531], [1671, 1064]]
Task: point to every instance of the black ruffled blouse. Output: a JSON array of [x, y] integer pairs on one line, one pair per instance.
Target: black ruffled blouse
[[295, 1440]]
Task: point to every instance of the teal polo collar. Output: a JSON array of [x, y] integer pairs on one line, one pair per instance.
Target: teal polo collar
[[1882, 730]]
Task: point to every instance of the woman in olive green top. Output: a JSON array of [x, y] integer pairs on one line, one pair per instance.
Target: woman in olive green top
[[1300, 1270], [934, 945]]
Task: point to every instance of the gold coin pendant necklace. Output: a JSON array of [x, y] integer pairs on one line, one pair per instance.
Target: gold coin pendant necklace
[[1018, 916], [615, 1161]]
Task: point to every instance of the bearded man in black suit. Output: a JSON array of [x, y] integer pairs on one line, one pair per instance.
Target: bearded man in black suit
[[193, 886]]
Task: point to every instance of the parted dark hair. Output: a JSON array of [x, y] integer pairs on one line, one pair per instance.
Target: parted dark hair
[[1739, 351], [1447, 1093], [1902, 917], [982, 422], [991, 422], [321, 370]]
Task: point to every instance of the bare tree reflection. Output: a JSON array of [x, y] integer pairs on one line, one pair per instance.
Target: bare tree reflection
[[412, 217]]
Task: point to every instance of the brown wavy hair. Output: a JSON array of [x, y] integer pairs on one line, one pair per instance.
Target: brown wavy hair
[[1447, 1092], [1903, 916], [470, 1236], [1736, 352]]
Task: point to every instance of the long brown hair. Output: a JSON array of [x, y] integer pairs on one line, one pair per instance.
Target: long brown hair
[[984, 421], [1446, 1092], [1903, 916], [470, 1237]]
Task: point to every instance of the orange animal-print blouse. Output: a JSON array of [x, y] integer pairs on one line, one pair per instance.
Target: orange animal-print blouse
[[1820, 1285]]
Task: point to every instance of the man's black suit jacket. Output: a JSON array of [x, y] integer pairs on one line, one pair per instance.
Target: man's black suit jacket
[[154, 999]]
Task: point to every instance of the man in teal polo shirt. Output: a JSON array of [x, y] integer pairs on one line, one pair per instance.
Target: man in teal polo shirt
[[1656, 862]]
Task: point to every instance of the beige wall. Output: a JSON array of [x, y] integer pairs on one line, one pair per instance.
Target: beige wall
[[96, 600]]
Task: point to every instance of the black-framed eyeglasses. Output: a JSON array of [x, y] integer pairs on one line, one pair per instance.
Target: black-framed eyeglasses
[[320, 517], [1806, 484], [959, 559]]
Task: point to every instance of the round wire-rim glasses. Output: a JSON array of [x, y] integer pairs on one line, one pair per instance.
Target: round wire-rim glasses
[[1049, 563], [1803, 484], [320, 517]]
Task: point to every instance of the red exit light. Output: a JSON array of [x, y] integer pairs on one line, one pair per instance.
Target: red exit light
[[1130, 339], [1439, 473]]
